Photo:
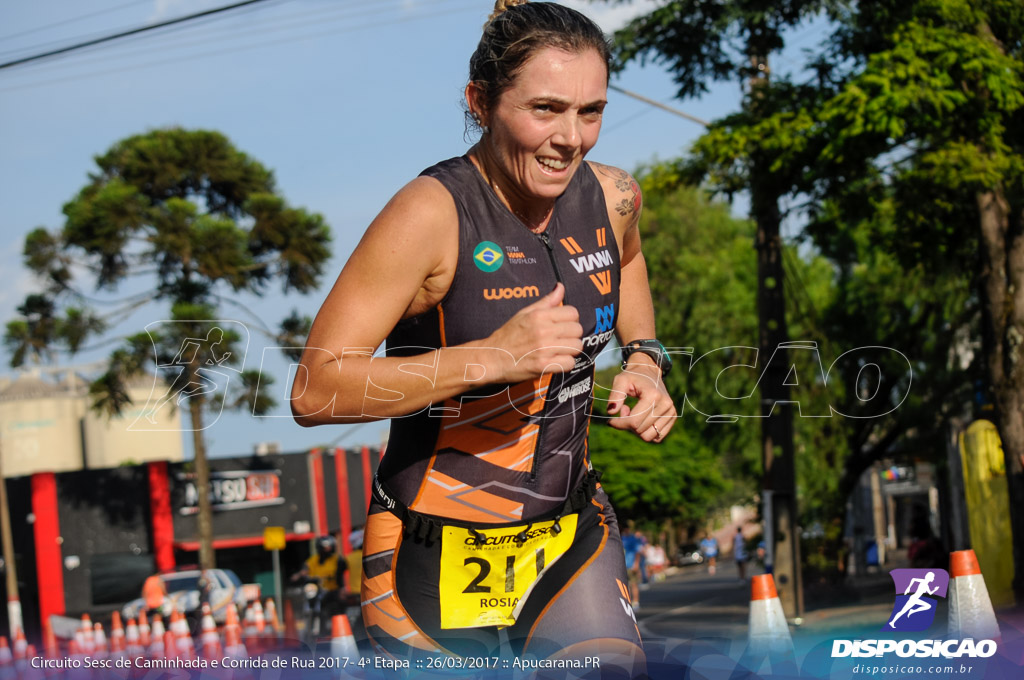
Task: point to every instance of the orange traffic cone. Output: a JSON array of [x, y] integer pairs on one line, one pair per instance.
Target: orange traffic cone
[[133, 641], [273, 622], [88, 636], [170, 648], [6, 657], [156, 647], [291, 631], [20, 653], [233, 646], [50, 645], [231, 619], [99, 641], [769, 632], [116, 632], [209, 640], [145, 632], [343, 643], [970, 609], [76, 654], [32, 673]]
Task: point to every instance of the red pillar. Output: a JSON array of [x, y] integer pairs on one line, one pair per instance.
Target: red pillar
[[316, 483], [49, 561], [344, 503], [160, 511]]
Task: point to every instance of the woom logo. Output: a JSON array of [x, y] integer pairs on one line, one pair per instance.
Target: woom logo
[[510, 293]]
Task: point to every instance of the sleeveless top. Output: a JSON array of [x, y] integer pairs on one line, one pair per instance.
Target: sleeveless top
[[505, 453]]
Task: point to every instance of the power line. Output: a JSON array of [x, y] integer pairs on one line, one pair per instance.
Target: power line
[[659, 105], [239, 48], [211, 33], [123, 34], [71, 20]]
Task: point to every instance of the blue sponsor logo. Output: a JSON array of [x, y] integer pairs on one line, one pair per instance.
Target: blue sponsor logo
[[605, 318]]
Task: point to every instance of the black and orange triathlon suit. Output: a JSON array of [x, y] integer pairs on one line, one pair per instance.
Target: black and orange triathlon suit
[[478, 496]]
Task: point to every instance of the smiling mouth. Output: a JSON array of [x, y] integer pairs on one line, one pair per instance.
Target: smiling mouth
[[553, 164]]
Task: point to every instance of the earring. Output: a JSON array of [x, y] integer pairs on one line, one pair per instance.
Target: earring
[[480, 124]]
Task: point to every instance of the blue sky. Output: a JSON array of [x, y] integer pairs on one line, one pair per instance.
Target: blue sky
[[346, 102]]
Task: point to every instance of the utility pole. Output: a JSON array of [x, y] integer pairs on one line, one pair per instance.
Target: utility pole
[[10, 566], [777, 451]]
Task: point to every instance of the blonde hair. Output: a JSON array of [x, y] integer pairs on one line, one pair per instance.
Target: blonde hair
[[502, 5]]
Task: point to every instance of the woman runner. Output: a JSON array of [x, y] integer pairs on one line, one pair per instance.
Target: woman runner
[[496, 278]]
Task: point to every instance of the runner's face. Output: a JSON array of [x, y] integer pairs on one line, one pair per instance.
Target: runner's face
[[547, 121]]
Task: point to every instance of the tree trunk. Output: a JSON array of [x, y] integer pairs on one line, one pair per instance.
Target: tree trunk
[[777, 450], [1002, 295], [204, 518]]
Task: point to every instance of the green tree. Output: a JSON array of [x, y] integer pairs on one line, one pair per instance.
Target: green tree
[[860, 146], [702, 273], [205, 220], [703, 41], [919, 124]]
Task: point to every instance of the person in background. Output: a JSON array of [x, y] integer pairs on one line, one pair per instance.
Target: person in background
[[631, 548], [354, 560], [709, 548], [154, 590], [739, 553], [325, 566], [642, 557], [656, 559]]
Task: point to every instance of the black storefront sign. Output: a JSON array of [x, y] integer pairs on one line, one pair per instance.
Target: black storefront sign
[[234, 490]]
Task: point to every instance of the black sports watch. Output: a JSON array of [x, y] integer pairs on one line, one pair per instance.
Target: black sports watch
[[651, 348]]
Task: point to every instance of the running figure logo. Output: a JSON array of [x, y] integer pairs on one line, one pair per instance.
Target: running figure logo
[[914, 609], [174, 383]]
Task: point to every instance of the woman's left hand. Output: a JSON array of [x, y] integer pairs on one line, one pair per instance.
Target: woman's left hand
[[653, 415]]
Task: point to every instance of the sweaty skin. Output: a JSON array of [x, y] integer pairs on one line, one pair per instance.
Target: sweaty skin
[[459, 327]]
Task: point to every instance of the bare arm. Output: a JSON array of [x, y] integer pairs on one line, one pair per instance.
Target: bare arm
[[653, 415], [402, 267]]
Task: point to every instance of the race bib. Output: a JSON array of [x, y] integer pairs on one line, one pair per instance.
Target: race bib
[[485, 584]]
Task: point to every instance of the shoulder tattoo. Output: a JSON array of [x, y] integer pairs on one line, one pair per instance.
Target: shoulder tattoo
[[629, 202]]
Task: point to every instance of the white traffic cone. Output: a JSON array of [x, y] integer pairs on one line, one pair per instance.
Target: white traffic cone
[[20, 651], [209, 640], [145, 632], [88, 636], [133, 640], [970, 609], [117, 641], [233, 647], [99, 641], [769, 632], [6, 659], [273, 622], [156, 634], [343, 643]]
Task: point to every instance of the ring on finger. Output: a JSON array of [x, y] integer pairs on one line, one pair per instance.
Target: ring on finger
[[656, 430]]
